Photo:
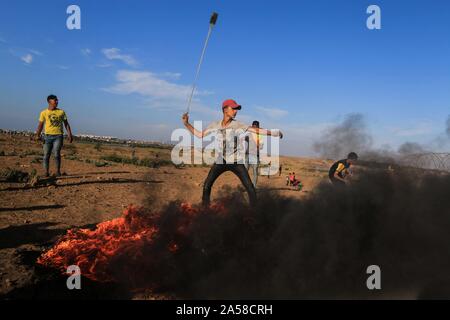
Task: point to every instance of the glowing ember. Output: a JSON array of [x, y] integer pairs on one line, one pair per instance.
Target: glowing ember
[[122, 243]]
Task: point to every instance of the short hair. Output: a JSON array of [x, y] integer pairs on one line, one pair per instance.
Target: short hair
[[51, 97], [352, 156], [255, 123]]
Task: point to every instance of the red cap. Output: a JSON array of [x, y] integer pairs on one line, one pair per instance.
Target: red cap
[[230, 103]]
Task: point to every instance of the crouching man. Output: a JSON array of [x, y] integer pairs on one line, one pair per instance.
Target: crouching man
[[340, 170]]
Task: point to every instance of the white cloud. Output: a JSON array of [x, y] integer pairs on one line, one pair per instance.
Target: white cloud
[[170, 75], [86, 52], [149, 85], [104, 65], [114, 54], [36, 52], [273, 113], [28, 58], [159, 93], [25, 54], [63, 67]]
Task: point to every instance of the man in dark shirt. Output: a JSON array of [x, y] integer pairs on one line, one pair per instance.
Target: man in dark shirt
[[339, 170]]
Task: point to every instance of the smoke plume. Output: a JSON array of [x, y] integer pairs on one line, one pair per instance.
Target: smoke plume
[[410, 148], [350, 135], [318, 247]]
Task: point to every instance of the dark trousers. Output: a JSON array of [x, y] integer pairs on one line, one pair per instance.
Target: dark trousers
[[337, 183], [239, 170]]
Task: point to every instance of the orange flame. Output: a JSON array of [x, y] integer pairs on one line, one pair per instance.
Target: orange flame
[[95, 251]]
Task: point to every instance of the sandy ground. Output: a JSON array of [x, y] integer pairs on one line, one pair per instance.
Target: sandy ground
[[31, 218]]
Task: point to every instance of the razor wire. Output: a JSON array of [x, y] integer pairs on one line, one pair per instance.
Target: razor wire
[[429, 160]]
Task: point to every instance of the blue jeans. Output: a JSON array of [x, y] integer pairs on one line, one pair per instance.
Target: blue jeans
[[55, 143], [253, 163]]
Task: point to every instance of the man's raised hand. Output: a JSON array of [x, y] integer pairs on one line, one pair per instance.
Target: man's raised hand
[[185, 118]]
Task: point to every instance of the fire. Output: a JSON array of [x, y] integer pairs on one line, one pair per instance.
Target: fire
[[126, 240]]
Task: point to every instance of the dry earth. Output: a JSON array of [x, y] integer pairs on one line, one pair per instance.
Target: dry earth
[[92, 190]]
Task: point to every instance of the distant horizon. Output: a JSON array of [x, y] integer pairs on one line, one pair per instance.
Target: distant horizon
[[168, 143], [92, 134]]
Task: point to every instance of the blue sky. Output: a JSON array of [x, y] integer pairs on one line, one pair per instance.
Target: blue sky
[[300, 66]]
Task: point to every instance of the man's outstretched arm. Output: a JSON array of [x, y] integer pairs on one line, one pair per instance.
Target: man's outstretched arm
[[266, 132], [195, 132]]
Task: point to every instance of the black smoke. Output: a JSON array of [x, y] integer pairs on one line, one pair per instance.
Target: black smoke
[[411, 148], [353, 135], [319, 247], [316, 247], [350, 135]]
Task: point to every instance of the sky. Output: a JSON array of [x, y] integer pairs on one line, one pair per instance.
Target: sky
[[299, 66]]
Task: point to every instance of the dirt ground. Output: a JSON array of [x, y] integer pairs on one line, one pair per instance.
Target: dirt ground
[[92, 190]]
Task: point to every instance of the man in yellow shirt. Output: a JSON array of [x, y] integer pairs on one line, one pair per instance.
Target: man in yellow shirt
[[340, 169], [53, 118]]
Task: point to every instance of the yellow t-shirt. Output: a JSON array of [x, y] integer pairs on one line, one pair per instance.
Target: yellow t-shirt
[[342, 170], [54, 120]]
